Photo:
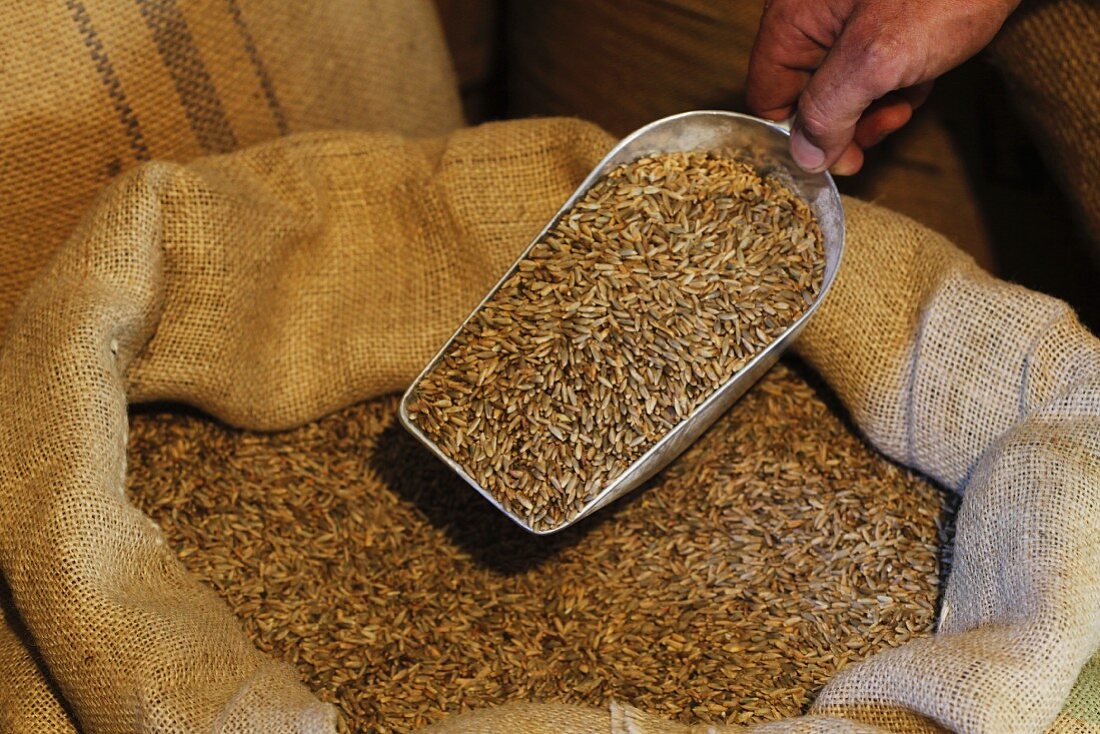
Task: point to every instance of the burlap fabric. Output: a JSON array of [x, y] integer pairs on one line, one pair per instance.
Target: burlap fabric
[[94, 87], [265, 288], [1049, 52]]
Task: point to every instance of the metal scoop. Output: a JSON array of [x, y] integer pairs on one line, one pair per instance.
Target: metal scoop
[[765, 145]]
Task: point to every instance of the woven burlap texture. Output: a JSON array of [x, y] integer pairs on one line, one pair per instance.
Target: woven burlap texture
[[94, 87], [1049, 52], [275, 284]]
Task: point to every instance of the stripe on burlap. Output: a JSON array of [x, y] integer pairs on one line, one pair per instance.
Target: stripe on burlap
[[147, 80], [260, 68], [1068, 725], [221, 38], [107, 72], [88, 94], [93, 87], [66, 130], [192, 81], [406, 77]]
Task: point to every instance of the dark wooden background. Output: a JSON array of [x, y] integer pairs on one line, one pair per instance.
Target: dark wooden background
[[965, 166]]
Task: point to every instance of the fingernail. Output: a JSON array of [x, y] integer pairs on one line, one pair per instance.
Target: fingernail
[[808, 156], [882, 135], [843, 168]]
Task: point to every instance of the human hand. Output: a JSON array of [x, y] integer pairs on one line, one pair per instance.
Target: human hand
[[853, 71]]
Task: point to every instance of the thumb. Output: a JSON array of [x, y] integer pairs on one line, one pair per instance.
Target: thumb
[[860, 68]]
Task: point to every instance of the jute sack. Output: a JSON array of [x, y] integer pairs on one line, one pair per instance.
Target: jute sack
[[994, 391], [265, 288], [1049, 52], [93, 87]]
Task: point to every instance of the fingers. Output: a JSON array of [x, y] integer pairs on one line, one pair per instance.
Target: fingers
[[917, 94], [828, 61], [870, 58], [882, 118], [792, 40], [887, 115], [849, 162], [831, 65], [836, 97], [878, 122]]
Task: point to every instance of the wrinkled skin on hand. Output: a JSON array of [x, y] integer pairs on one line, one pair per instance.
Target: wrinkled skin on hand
[[854, 70]]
